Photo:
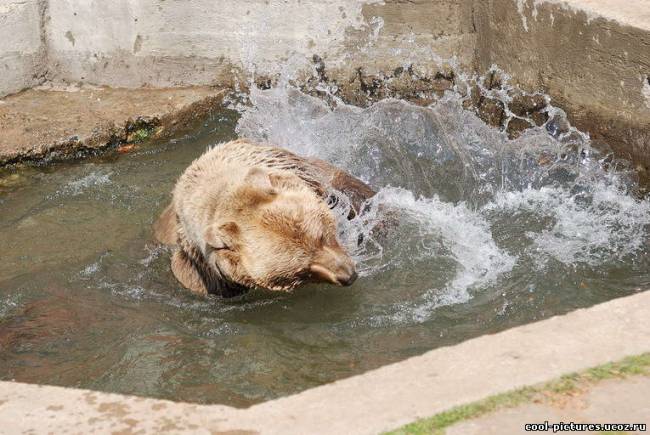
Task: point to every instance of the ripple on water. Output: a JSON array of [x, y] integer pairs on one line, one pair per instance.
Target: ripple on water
[[81, 185]]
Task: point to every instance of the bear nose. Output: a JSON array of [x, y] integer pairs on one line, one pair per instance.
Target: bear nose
[[347, 280], [335, 267], [344, 270]]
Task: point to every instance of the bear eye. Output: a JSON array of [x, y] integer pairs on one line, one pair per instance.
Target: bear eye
[[220, 247]]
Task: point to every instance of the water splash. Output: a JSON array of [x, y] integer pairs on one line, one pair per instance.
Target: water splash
[[436, 229], [467, 198]]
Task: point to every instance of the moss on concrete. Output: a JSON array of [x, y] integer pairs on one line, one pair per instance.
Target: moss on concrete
[[141, 134], [567, 385]]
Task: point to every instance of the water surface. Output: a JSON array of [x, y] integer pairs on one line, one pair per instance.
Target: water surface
[[490, 233]]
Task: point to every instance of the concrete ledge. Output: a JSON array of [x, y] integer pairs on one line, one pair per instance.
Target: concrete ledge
[[56, 123], [634, 13], [376, 401]]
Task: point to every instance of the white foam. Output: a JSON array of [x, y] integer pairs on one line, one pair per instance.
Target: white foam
[[599, 225], [645, 90], [81, 185], [8, 304], [90, 269]]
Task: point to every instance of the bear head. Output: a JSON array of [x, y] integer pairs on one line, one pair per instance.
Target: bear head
[[275, 232]]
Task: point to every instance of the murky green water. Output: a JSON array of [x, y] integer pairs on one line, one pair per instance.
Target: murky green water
[[87, 298]]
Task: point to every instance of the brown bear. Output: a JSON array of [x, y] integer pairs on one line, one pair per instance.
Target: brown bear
[[247, 216]]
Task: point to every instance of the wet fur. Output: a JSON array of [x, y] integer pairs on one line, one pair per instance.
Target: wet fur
[[288, 171]]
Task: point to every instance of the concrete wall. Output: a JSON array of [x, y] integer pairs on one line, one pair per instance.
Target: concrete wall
[[591, 56], [167, 43], [22, 51]]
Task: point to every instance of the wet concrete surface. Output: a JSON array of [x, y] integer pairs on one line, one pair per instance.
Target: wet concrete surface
[[55, 122]]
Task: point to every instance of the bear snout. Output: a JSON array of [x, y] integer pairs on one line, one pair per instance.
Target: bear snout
[[347, 280], [334, 266]]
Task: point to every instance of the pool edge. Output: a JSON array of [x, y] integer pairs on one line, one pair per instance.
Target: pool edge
[[375, 401]]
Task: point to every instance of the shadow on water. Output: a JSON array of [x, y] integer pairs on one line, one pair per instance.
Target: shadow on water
[[490, 235]]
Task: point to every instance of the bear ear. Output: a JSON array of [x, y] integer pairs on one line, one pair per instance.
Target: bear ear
[[258, 179], [221, 236], [257, 187]]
